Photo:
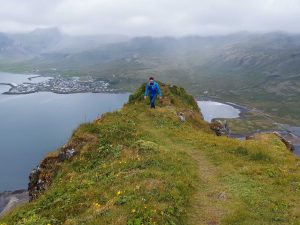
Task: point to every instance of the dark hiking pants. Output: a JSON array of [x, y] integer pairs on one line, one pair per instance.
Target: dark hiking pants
[[152, 101]]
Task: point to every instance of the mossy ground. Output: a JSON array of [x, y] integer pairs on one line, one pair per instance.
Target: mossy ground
[[143, 166]]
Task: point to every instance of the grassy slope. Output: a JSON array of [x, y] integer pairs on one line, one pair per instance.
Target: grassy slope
[[142, 166]]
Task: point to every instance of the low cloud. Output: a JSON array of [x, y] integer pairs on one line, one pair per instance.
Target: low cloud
[[151, 17]]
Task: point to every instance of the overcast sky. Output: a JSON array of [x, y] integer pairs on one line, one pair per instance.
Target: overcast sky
[[151, 17]]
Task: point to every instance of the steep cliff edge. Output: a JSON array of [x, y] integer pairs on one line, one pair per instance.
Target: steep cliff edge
[[162, 166]]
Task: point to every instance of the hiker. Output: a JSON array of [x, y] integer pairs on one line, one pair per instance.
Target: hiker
[[152, 88]]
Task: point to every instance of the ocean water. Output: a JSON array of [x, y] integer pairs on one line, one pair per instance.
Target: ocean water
[[32, 125]]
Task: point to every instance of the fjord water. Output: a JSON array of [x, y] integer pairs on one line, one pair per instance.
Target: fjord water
[[32, 125], [212, 109]]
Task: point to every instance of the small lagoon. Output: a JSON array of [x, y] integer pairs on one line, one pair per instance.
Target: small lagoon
[[212, 109]]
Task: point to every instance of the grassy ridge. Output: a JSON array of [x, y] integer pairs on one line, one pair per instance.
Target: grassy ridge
[[142, 166]]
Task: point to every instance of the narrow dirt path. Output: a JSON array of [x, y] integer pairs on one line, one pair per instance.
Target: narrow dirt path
[[207, 203]]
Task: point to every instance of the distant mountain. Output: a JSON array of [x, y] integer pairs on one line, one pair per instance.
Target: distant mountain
[[256, 69], [5, 41], [270, 53], [39, 40], [24, 46]]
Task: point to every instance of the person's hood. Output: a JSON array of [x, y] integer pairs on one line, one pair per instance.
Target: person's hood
[[153, 82]]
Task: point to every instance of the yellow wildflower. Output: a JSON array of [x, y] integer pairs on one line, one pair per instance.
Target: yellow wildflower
[[96, 205], [119, 193], [133, 210]]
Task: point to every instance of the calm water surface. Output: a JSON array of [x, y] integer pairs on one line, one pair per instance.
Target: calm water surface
[[212, 109], [34, 124]]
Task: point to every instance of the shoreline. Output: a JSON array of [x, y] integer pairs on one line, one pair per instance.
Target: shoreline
[[12, 199]]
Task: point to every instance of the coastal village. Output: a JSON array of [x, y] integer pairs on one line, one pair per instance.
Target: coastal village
[[61, 86]]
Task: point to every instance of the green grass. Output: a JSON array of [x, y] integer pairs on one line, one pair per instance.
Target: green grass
[[251, 122], [141, 166]]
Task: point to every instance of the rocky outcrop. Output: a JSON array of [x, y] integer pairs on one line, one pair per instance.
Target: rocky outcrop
[[250, 137], [41, 176], [181, 116], [287, 143], [221, 128], [11, 199], [187, 114], [67, 154]]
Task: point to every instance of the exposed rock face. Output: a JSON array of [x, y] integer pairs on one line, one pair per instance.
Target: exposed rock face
[[35, 184], [181, 117], [11, 199], [67, 154], [187, 114], [287, 143], [41, 176], [250, 137], [220, 128]]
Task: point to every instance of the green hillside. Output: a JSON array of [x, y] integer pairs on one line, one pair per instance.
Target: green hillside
[[141, 166]]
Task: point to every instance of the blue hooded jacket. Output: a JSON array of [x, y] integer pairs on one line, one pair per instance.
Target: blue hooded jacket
[[153, 89]]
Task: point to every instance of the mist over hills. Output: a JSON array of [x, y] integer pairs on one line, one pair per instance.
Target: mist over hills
[[24, 46], [250, 68]]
